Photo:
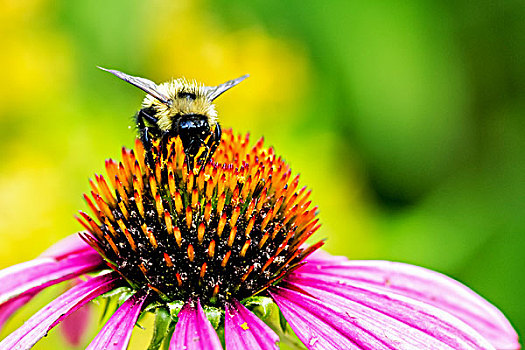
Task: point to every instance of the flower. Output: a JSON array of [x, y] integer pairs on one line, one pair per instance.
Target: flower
[[219, 255]]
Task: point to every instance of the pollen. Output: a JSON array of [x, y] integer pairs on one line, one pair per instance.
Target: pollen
[[226, 229]]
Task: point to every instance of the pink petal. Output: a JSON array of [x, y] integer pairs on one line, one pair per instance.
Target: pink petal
[[320, 257], [16, 298], [116, 332], [394, 319], [320, 325], [244, 330], [194, 331], [424, 285], [74, 327], [34, 275], [8, 308], [48, 317], [372, 322], [70, 245]]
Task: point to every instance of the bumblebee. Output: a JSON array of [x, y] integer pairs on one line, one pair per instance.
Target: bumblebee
[[179, 108]]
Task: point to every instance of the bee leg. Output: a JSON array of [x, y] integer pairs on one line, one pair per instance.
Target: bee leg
[[215, 140], [210, 144], [164, 151], [144, 137], [144, 115], [205, 155], [148, 147], [190, 158]]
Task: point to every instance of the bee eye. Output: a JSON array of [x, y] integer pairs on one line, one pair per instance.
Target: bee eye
[[187, 95]]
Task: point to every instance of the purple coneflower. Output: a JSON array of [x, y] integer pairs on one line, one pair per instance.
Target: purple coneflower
[[219, 255]]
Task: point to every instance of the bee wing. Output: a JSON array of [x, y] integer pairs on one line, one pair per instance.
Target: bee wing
[[215, 91], [142, 83]]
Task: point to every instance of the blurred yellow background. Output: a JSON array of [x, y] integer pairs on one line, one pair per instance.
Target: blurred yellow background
[[406, 120]]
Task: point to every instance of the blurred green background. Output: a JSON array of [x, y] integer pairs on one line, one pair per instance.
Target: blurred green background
[[405, 118]]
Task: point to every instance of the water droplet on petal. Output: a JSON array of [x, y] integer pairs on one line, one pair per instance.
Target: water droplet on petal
[[313, 341]]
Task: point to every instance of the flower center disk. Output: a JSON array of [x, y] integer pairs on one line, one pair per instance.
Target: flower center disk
[[230, 228]]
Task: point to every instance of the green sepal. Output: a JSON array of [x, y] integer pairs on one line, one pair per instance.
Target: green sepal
[[112, 301], [266, 309], [151, 307], [163, 321], [109, 308], [175, 307], [214, 315], [220, 334], [282, 322], [99, 273], [263, 307], [117, 291], [169, 334], [125, 295]]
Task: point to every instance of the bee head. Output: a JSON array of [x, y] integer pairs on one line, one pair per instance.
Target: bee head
[[178, 97]]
